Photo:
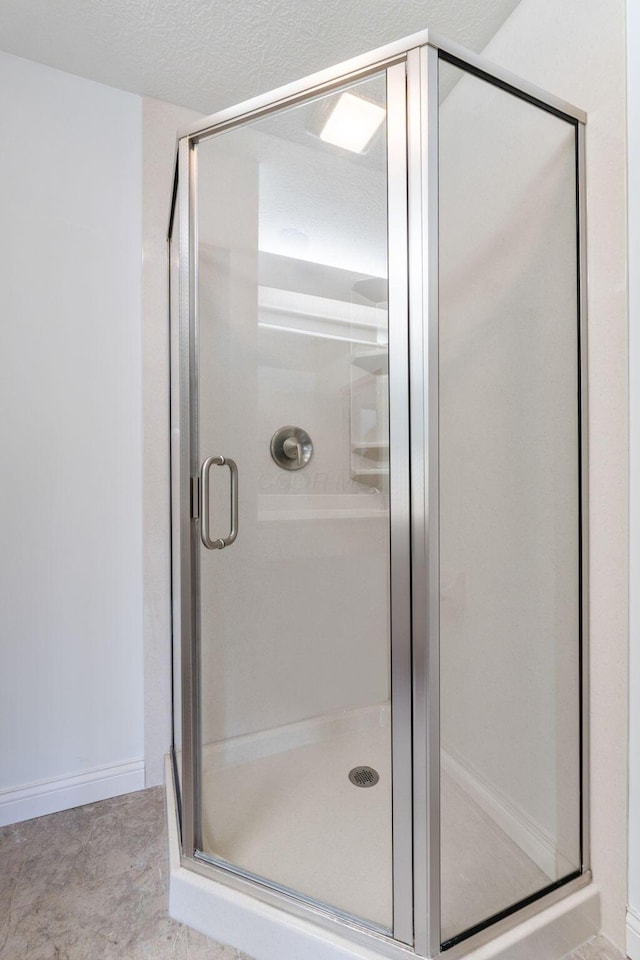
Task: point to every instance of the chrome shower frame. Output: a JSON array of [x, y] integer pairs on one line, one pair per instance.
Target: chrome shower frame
[[411, 67]]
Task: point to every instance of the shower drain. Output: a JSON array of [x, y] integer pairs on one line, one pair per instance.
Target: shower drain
[[364, 776]]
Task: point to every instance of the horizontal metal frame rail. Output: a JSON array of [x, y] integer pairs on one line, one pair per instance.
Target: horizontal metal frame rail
[[350, 71]]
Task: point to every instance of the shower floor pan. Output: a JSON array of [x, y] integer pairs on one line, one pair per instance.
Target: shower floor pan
[[280, 805]]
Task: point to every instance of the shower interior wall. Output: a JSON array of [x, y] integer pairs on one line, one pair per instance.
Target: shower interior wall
[[578, 51], [322, 644], [509, 523]]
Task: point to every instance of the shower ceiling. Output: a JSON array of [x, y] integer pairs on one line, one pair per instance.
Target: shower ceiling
[[207, 54]]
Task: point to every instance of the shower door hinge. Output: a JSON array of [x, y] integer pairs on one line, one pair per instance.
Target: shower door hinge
[[195, 498]]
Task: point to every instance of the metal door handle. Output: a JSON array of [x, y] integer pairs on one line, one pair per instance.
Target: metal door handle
[[205, 533]]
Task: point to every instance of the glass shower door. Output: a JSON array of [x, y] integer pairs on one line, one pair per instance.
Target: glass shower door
[[291, 413]]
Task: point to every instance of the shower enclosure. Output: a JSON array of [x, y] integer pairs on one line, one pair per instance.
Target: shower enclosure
[[378, 440]]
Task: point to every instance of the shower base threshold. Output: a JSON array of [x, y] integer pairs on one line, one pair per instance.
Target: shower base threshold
[[266, 932]]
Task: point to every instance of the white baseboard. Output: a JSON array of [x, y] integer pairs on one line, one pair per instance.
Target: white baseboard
[[265, 743], [62, 793], [633, 934], [511, 818]]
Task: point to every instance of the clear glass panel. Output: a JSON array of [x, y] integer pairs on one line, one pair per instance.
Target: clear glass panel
[[294, 616], [509, 511]]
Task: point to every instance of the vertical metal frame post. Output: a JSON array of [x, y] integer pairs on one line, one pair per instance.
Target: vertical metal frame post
[[399, 489], [422, 114], [581, 204], [430, 119], [188, 578]]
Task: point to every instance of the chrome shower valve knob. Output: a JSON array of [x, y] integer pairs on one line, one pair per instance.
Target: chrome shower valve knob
[[291, 448]]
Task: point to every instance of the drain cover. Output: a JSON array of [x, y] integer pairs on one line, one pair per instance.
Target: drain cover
[[364, 776]]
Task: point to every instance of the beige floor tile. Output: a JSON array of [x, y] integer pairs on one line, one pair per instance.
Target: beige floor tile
[[16, 835], [70, 849], [70, 908], [12, 864], [597, 949], [106, 919], [173, 946], [14, 847], [200, 947]]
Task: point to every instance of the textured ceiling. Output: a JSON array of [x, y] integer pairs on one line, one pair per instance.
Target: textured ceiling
[[207, 54]]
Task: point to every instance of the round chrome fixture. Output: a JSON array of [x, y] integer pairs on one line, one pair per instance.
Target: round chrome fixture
[[291, 448]]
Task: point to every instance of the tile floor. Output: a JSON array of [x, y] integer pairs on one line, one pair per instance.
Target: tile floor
[[598, 949], [90, 884]]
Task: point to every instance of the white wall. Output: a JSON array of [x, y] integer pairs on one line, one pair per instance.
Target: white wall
[[577, 50], [71, 697], [633, 173]]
